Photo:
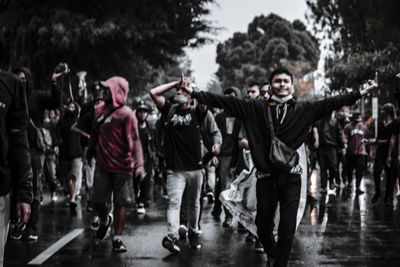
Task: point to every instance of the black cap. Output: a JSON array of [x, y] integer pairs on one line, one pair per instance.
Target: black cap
[[141, 105]]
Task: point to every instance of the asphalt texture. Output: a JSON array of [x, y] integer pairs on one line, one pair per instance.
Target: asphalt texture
[[339, 228]]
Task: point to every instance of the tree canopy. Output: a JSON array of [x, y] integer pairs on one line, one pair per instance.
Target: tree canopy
[[104, 37], [270, 41], [365, 38]]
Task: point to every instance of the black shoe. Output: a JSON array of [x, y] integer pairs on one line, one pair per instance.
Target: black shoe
[[210, 197], [118, 245], [194, 240], [18, 232], [250, 238], [95, 223], [228, 221], [170, 243], [104, 230], [182, 231], [375, 198], [72, 205], [359, 191], [259, 247]]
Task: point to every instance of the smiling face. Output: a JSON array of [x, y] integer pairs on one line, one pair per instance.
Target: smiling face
[[282, 85]]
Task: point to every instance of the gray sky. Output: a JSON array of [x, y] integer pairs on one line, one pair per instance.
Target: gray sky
[[235, 16]]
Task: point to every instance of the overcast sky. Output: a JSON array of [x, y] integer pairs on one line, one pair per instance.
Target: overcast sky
[[235, 16]]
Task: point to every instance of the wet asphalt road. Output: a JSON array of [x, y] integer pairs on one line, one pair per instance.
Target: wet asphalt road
[[336, 230]]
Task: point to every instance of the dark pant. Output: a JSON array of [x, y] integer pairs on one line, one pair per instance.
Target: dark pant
[[328, 162], [50, 171], [284, 188], [143, 188], [390, 182], [37, 161], [355, 162], [379, 165]]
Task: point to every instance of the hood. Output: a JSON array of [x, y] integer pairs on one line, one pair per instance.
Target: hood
[[234, 89], [119, 88]]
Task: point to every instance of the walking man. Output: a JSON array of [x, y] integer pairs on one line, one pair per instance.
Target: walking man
[[116, 146]]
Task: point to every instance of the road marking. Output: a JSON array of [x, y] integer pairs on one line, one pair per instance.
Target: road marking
[[42, 257]]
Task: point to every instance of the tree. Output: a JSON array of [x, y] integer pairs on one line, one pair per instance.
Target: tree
[[269, 42], [133, 39], [365, 38]]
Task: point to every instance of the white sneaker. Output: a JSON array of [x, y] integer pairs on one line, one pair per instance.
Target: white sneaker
[[54, 197], [141, 209]]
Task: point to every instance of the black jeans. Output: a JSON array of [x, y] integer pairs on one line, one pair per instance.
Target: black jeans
[[284, 188], [379, 165], [328, 162], [355, 162]]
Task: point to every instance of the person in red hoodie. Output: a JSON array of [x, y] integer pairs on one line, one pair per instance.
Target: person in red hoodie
[[116, 146], [355, 137]]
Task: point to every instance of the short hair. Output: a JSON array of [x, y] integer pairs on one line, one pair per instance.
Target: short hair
[[280, 71], [253, 83]]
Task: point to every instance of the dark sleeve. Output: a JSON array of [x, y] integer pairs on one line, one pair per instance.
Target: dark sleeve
[[19, 156], [235, 149], [327, 105], [233, 105]]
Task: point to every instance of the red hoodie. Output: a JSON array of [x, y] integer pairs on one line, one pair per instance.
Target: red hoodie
[[118, 149]]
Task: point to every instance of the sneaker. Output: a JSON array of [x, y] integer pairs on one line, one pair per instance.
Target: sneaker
[[18, 232], [72, 205], [259, 247], [182, 231], [95, 223], [250, 238], [141, 209], [170, 243], [375, 198], [194, 240], [104, 230], [32, 237], [118, 245], [228, 221], [210, 197], [54, 196], [359, 191]]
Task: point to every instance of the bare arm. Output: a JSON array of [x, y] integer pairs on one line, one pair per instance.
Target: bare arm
[[79, 131], [156, 93]]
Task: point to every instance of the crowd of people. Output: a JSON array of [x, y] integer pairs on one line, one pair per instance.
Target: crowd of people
[[188, 146]]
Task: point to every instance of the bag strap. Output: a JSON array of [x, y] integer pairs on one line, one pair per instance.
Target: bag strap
[[108, 115], [271, 125]]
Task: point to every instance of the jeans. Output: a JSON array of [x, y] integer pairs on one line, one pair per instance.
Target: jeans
[[5, 206], [37, 161], [50, 171], [177, 182], [284, 188], [328, 162], [355, 162]]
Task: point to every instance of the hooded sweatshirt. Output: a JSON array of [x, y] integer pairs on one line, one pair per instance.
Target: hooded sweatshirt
[[118, 149]]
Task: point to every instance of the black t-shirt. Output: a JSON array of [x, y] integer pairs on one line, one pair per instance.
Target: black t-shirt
[[85, 123], [145, 136], [182, 139], [384, 133]]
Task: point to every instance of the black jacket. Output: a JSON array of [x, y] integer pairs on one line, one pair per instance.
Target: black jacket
[[294, 129], [15, 170]]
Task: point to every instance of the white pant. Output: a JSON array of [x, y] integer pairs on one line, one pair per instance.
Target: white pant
[[5, 205]]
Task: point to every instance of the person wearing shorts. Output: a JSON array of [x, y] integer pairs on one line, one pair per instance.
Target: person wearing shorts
[[116, 146]]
